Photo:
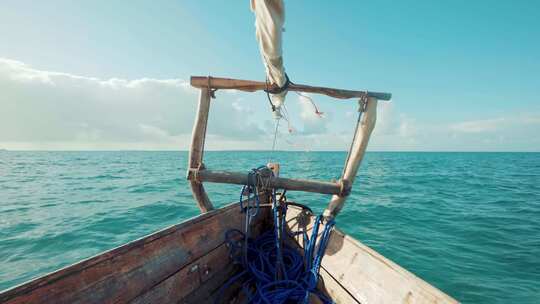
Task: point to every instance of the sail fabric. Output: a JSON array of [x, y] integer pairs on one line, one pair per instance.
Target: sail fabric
[[269, 21]]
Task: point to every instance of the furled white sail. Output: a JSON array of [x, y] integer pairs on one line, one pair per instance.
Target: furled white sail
[[270, 17]]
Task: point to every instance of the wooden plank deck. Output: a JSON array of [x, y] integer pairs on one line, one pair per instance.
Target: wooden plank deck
[[365, 275]]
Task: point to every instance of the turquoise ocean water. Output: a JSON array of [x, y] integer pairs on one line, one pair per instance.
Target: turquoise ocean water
[[468, 223]]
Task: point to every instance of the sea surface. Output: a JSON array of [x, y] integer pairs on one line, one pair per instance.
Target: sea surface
[[468, 223]]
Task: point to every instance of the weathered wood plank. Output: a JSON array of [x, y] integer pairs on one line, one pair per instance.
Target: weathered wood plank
[[274, 182], [366, 275], [330, 286], [200, 273], [208, 292], [123, 273], [197, 149], [252, 86], [188, 279]]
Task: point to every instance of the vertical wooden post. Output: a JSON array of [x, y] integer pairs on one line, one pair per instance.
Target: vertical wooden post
[[197, 150], [365, 126]]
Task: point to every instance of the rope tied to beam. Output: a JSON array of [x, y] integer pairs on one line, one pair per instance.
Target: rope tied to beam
[[278, 89], [272, 271], [211, 91], [280, 110]]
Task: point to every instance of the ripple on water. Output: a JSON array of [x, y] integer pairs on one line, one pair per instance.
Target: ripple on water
[[469, 223]]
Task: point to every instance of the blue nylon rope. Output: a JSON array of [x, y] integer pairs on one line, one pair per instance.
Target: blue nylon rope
[[274, 272]]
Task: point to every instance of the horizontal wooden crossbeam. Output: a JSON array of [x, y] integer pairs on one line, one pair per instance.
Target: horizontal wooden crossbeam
[[252, 86], [236, 178]]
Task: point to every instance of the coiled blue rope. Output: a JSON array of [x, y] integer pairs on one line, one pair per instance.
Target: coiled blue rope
[[272, 271]]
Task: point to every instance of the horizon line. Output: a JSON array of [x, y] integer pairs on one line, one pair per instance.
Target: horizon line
[[257, 150]]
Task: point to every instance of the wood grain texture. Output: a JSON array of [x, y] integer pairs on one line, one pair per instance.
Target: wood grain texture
[[274, 182], [197, 150], [208, 272], [122, 274], [332, 288], [366, 275], [186, 280], [364, 127], [208, 292], [252, 86]]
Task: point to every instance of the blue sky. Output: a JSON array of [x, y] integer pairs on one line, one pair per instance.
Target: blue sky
[[111, 74]]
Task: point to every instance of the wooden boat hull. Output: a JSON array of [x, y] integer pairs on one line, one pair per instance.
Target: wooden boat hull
[[189, 262], [165, 267]]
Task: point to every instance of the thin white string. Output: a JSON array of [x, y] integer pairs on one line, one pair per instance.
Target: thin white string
[[275, 140]]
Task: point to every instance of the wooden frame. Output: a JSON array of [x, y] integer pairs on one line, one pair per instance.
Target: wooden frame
[[236, 178], [197, 173], [202, 82]]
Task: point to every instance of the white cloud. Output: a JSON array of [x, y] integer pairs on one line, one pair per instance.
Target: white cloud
[[500, 125], [392, 123], [44, 108], [55, 110], [399, 131], [513, 132], [388, 120], [478, 126]]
